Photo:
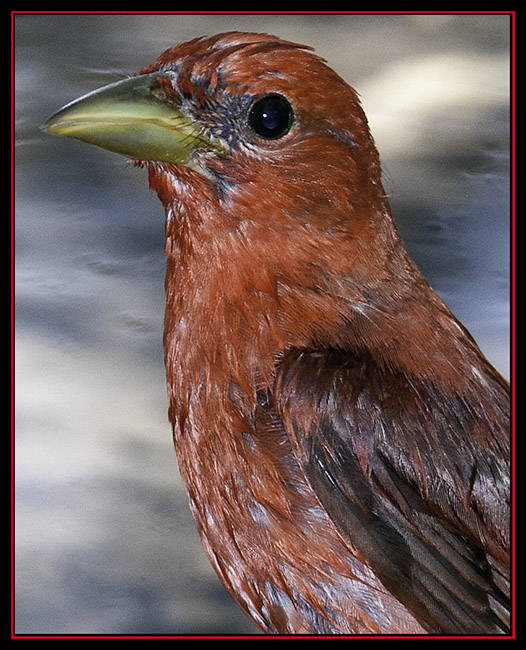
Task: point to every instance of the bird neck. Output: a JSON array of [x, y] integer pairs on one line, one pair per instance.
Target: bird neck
[[238, 300]]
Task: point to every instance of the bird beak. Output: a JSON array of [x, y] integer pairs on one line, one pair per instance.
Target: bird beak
[[132, 117]]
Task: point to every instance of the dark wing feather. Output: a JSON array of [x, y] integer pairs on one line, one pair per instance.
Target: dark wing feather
[[397, 478]]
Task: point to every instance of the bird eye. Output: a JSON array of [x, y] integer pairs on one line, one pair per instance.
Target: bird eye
[[271, 117]]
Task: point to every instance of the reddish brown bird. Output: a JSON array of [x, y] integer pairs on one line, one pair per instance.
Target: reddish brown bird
[[343, 441]]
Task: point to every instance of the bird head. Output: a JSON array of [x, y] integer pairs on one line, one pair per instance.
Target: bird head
[[240, 110]]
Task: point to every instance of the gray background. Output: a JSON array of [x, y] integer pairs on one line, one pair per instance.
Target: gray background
[[104, 539]]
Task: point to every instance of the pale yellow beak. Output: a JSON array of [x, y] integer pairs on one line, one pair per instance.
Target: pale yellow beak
[[132, 117]]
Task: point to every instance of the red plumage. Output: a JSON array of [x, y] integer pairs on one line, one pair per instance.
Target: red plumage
[[343, 441]]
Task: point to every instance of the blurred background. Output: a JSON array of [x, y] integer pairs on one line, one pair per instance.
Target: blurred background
[[105, 543]]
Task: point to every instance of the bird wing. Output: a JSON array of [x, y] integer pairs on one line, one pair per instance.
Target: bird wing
[[395, 476]]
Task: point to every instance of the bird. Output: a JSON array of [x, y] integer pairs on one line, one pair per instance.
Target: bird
[[344, 443]]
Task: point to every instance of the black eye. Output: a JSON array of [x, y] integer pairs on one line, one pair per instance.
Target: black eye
[[271, 116]]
